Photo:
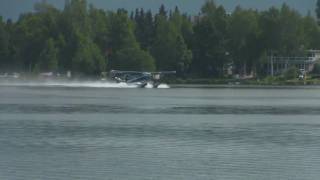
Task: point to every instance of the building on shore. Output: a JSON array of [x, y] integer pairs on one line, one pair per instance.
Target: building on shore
[[279, 64]]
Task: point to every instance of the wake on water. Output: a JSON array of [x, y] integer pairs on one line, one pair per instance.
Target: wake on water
[[83, 84]]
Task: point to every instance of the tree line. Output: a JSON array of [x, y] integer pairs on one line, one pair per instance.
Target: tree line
[[88, 40]]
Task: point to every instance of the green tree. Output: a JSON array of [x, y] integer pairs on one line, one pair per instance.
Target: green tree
[[183, 25], [316, 69], [123, 40], [176, 18], [270, 25], [144, 28], [84, 39], [282, 31], [311, 33], [48, 59], [163, 44], [291, 31], [74, 22], [76, 14], [244, 43], [121, 32], [4, 45], [133, 59], [163, 47], [187, 30], [318, 10], [291, 73], [13, 59], [100, 28], [163, 11], [169, 48], [183, 56], [126, 52], [210, 38], [30, 35], [88, 58]]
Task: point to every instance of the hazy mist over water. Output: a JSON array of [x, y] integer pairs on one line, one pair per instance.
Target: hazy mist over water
[[55, 132]]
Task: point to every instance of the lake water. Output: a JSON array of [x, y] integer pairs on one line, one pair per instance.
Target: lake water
[[96, 133]]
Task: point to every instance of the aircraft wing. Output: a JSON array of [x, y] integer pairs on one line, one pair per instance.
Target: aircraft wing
[[123, 72], [142, 72], [164, 72]]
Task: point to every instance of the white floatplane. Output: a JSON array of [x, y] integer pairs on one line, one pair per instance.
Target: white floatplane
[[139, 79]]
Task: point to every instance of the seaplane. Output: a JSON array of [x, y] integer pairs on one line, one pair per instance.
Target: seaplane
[[138, 78]]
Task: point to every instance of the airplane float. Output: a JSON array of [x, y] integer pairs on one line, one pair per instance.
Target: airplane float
[[139, 78]]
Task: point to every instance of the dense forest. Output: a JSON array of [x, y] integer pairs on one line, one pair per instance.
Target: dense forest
[[88, 40]]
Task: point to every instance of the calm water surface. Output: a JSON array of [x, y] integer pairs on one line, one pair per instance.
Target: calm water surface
[[104, 133]]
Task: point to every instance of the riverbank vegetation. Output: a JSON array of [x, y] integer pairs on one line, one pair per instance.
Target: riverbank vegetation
[[88, 40]]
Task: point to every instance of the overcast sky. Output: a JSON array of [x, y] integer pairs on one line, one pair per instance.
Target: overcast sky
[[12, 8]]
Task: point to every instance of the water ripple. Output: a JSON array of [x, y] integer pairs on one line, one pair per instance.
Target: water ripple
[[210, 109]]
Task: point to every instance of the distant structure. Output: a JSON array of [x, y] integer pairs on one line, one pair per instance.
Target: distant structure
[[278, 65]]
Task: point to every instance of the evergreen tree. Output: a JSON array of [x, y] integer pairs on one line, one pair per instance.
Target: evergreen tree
[[209, 47], [270, 25], [163, 47], [121, 32], [144, 28], [163, 11], [318, 10], [4, 45]]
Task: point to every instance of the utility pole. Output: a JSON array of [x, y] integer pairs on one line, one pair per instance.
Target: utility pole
[[271, 64]]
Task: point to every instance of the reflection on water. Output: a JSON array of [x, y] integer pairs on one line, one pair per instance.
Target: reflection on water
[[72, 133]]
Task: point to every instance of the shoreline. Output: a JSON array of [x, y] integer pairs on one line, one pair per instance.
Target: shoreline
[[242, 86], [111, 84]]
